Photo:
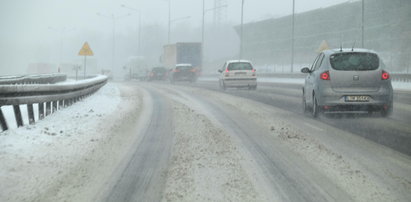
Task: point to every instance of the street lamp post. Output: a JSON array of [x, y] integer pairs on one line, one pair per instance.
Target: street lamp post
[[139, 27], [362, 23], [175, 20], [114, 19], [169, 21], [202, 30], [202, 26], [242, 25], [292, 38], [61, 32]]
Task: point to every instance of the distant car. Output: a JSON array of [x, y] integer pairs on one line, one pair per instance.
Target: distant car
[[347, 80], [238, 73], [138, 76], [157, 73], [183, 72]]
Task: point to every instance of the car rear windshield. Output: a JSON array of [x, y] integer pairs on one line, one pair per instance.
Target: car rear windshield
[[159, 69], [354, 61], [240, 66], [184, 67]]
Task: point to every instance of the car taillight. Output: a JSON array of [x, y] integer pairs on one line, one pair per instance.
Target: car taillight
[[176, 70], [385, 75], [325, 75], [253, 70], [226, 74]]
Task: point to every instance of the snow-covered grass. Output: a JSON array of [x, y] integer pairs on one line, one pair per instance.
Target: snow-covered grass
[[35, 156]]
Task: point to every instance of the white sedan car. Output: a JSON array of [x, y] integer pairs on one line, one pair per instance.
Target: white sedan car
[[237, 74]]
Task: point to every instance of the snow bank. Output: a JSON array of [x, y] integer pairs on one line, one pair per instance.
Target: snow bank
[[206, 165], [35, 156]]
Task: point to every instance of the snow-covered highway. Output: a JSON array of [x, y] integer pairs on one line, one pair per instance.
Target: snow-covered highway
[[141, 141]]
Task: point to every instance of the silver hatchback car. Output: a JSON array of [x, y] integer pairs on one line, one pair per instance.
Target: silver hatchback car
[[238, 73], [347, 80]]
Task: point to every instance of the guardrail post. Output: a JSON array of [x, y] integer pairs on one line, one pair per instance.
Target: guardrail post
[[41, 110], [31, 113], [61, 104], [66, 103], [54, 106], [17, 114], [48, 108], [3, 122]]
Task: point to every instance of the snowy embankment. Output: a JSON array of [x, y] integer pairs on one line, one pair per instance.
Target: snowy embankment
[[38, 160], [397, 85]]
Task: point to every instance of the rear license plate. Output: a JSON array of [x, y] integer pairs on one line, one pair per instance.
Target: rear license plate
[[357, 98], [240, 73]]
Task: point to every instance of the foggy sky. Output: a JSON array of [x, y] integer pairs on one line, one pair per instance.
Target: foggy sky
[[30, 28]]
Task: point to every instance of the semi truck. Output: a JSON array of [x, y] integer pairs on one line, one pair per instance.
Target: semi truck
[[182, 53]]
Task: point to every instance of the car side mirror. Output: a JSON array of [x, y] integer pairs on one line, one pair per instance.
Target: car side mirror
[[305, 70], [221, 71]]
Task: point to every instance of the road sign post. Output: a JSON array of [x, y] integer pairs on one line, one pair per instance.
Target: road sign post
[[85, 67], [85, 51]]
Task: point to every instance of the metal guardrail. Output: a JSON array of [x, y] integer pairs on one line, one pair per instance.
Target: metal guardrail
[[33, 79], [394, 76], [401, 77], [49, 98]]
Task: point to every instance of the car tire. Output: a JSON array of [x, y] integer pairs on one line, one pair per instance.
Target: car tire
[[223, 85], [304, 104], [387, 112], [315, 108]]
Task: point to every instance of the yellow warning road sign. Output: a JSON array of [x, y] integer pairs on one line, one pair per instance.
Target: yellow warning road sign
[[85, 50], [323, 46]]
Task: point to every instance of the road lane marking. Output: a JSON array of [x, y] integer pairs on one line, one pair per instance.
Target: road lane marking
[[313, 127]]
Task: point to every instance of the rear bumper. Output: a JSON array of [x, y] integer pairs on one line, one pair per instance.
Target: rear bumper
[[354, 108], [157, 78], [330, 100], [240, 82], [184, 77]]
